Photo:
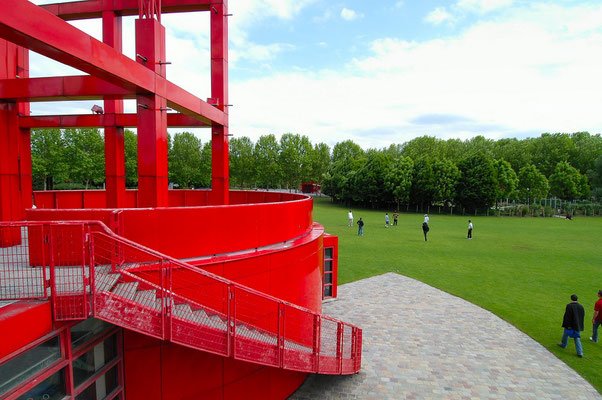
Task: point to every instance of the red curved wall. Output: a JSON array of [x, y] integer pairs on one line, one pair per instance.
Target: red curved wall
[[264, 240]]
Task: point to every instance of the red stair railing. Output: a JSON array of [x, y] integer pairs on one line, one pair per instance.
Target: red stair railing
[[87, 270]]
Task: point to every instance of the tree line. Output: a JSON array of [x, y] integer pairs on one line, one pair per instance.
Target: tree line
[[472, 173]]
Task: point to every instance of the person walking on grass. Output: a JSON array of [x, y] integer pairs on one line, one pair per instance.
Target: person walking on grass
[[469, 230], [425, 229], [597, 319], [395, 215], [386, 220], [360, 225], [572, 323], [350, 217]]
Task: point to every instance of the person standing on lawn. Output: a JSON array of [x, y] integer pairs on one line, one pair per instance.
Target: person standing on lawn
[[597, 319], [395, 215], [573, 324], [425, 229], [386, 220], [469, 230], [350, 217], [360, 225]]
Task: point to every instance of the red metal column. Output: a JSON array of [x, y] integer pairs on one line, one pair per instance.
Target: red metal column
[[114, 142], [25, 135], [152, 117], [220, 181], [10, 144]]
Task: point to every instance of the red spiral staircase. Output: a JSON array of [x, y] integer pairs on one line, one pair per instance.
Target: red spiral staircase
[[86, 270]]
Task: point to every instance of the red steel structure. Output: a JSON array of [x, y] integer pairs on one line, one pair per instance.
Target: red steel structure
[[149, 293]]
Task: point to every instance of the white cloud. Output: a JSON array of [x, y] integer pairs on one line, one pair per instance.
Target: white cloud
[[533, 71], [350, 15], [483, 6], [438, 16]]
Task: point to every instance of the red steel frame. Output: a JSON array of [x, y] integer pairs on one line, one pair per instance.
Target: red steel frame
[[113, 77]]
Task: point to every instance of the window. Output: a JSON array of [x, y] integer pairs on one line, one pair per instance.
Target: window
[[94, 360], [102, 387], [86, 330], [53, 388], [24, 366], [327, 280]]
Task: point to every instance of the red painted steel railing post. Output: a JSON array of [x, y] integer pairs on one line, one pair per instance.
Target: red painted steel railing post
[[339, 347], [317, 341], [170, 300], [281, 334], [85, 281], [48, 240], [92, 273], [231, 321]]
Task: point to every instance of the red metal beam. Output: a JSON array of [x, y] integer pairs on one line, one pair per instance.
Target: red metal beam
[[100, 121], [62, 88], [29, 26], [93, 8]]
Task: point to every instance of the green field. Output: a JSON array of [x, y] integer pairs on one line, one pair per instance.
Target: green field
[[521, 269]]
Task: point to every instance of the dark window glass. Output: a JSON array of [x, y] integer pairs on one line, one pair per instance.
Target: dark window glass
[[86, 330], [328, 252], [23, 367], [327, 291], [51, 389], [328, 266], [102, 387], [327, 278], [94, 359]]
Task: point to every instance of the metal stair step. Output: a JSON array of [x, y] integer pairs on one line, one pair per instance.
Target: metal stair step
[[183, 311], [105, 282], [126, 290], [148, 298]]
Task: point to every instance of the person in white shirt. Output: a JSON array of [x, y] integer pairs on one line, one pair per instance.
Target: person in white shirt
[[469, 230], [426, 218], [350, 216]]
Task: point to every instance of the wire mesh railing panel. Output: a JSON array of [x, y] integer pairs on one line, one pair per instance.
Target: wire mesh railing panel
[[256, 330], [197, 326], [298, 339], [202, 288], [121, 296], [328, 346], [19, 278], [347, 363], [68, 268]]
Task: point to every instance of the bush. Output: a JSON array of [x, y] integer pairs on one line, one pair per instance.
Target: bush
[[548, 211]]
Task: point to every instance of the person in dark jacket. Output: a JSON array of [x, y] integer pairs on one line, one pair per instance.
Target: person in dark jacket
[[572, 323], [360, 230], [425, 229]]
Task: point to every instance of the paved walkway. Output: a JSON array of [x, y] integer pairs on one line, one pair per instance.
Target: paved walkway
[[422, 343]]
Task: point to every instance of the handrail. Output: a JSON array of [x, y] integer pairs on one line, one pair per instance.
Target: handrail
[[266, 339]]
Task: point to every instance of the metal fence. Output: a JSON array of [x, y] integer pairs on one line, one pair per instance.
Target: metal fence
[[86, 270]]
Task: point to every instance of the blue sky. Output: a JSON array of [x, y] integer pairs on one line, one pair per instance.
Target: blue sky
[[388, 71]]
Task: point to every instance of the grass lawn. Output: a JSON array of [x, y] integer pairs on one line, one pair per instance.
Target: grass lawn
[[522, 269]]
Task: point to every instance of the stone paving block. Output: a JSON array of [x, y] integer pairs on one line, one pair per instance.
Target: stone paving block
[[415, 346]]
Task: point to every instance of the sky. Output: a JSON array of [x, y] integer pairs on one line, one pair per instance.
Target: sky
[[387, 71]]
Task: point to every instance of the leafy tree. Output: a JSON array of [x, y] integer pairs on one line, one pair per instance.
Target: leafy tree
[[265, 155], [584, 189], [515, 151], [47, 160], [423, 181], [307, 159], [550, 149], [84, 150], [320, 161], [445, 180], [586, 149], [185, 160], [131, 158], [295, 159], [242, 167], [477, 185], [398, 179], [424, 146], [565, 182], [369, 180], [347, 150], [532, 183], [205, 167], [506, 178]]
